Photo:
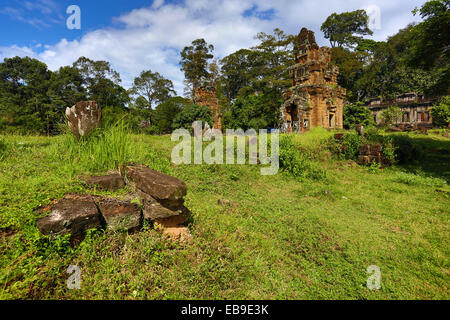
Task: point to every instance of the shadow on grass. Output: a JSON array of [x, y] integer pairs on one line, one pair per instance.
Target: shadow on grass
[[435, 158]]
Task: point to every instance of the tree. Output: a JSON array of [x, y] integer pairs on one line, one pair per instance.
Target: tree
[[165, 113], [260, 71], [66, 84], [190, 114], [253, 112], [355, 114], [194, 63], [391, 116], [102, 82], [24, 102], [154, 87], [342, 29], [441, 113]]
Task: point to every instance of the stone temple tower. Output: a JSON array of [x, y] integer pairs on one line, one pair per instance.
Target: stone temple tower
[[315, 99]]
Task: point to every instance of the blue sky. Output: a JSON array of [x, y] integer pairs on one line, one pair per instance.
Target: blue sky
[[136, 35]]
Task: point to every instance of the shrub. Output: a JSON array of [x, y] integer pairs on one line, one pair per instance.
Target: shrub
[[357, 114], [190, 114], [297, 164], [441, 113], [391, 116], [348, 148]]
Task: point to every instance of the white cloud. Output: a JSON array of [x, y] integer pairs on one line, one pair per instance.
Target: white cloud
[[151, 38]]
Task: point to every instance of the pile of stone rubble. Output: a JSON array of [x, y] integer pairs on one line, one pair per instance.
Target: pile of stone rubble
[[156, 197]]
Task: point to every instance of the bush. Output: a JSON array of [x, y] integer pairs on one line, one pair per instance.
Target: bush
[[357, 114], [348, 148], [441, 113], [297, 164], [190, 114], [391, 116]]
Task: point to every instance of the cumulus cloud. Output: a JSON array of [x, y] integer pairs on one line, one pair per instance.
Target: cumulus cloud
[[152, 37]]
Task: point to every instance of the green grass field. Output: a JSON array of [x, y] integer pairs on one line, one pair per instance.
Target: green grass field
[[282, 237]]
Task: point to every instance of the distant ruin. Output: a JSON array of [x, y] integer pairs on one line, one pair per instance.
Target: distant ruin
[[416, 108], [206, 96], [315, 99]]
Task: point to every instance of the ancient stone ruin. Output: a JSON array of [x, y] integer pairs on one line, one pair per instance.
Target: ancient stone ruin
[[206, 96], [416, 110], [315, 99], [157, 198], [83, 118]]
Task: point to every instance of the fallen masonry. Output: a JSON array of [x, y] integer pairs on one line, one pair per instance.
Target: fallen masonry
[[157, 198]]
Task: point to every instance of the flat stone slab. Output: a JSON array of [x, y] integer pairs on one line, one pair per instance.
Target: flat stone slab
[[70, 215], [120, 215], [110, 182], [156, 184]]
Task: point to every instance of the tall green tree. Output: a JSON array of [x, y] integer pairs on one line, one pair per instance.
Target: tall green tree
[[102, 82], [153, 86], [346, 29], [23, 94], [195, 62]]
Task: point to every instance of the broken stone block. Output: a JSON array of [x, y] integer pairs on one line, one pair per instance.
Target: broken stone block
[[120, 215], [70, 215], [162, 209], [110, 182], [363, 160], [156, 184], [376, 148], [83, 118], [365, 149], [174, 228]]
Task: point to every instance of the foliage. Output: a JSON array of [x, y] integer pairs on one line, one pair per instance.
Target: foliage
[[194, 63], [355, 114], [191, 113], [296, 163], [259, 71], [154, 87], [252, 112], [391, 116], [105, 149], [350, 145], [342, 29], [441, 113], [165, 113]]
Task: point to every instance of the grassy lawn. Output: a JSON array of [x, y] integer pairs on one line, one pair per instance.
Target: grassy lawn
[[282, 237]]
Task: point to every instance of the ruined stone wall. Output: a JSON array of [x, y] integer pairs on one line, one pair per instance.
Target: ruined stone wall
[[416, 109], [207, 97], [315, 99]]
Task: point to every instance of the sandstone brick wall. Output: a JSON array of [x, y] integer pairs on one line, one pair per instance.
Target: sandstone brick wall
[[207, 97]]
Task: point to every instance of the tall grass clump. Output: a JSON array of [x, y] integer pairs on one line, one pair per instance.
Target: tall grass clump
[[104, 149]]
